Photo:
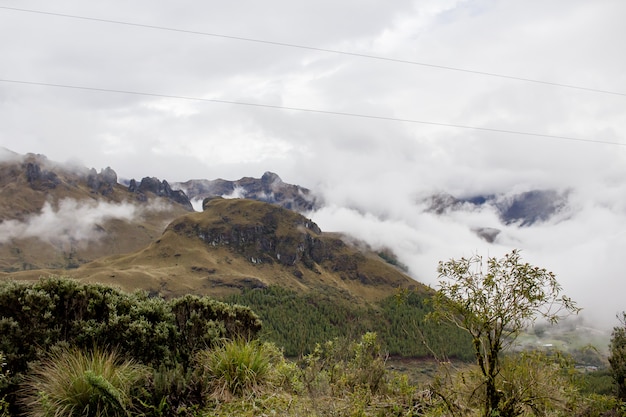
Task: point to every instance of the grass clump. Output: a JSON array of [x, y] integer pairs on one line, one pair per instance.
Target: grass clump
[[72, 382], [235, 368]]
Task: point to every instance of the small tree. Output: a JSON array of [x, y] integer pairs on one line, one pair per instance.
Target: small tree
[[617, 357], [494, 306]]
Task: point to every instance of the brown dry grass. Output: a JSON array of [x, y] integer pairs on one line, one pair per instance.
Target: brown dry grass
[[178, 262]]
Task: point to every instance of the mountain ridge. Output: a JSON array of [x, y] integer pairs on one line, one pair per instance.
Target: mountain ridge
[[238, 244]]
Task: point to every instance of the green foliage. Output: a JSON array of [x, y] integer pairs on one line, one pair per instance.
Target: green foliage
[[202, 322], [36, 317], [493, 307], [339, 366], [406, 331], [596, 405], [235, 368], [617, 357], [171, 391], [4, 405], [150, 330], [598, 382], [529, 383], [297, 322], [71, 382]]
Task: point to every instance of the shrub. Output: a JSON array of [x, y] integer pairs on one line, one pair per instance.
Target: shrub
[[202, 322], [340, 366], [532, 383], [56, 311], [170, 392], [73, 382], [4, 405], [236, 368]]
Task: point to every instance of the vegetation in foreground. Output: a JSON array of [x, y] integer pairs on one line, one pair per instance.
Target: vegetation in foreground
[[88, 350]]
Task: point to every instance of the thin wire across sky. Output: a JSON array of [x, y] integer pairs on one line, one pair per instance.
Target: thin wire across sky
[[310, 110]]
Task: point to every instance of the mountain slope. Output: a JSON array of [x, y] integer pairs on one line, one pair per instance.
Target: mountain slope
[[59, 216], [238, 244]]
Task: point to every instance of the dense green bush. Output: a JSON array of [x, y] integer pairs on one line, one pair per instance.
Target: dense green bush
[[407, 332], [4, 405], [35, 317], [339, 366]]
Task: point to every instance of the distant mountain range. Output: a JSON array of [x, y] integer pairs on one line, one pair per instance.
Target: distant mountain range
[[525, 209], [269, 188], [40, 199], [77, 222]]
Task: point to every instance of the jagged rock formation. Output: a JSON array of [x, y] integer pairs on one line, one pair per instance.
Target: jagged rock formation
[[525, 208], [260, 241], [269, 188], [531, 207], [102, 182], [159, 188], [40, 179], [38, 195]]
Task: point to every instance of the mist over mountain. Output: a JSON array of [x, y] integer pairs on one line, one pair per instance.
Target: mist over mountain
[[269, 188], [523, 208], [58, 216]]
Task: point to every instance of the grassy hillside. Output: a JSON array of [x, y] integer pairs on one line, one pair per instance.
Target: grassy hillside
[[43, 205], [307, 286], [242, 244]]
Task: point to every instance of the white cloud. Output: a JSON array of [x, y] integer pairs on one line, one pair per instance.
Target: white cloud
[[72, 222], [371, 172]]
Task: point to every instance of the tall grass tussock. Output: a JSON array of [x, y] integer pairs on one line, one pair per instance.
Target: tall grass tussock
[[71, 382]]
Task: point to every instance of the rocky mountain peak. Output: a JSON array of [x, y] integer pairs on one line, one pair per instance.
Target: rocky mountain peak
[[270, 188], [102, 182], [160, 188]]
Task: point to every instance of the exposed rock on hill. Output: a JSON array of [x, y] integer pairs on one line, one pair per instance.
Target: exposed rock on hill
[[102, 182], [43, 207], [269, 188], [525, 208], [237, 244], [531, 207], [159, 188], [267, 239]]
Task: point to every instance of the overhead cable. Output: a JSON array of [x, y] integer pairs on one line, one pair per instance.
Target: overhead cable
[[307, 110], [312, 48]]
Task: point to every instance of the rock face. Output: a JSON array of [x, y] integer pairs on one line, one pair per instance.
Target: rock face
[[269, 188], [525, 208], [532, 207], [159, 188], [272, 238], [40, 179], [102, 182], [275, 235]]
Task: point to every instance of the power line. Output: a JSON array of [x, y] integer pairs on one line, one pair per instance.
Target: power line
[[312, 48], [316, 111]]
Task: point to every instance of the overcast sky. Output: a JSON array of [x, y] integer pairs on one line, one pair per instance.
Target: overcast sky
[[372, 171]]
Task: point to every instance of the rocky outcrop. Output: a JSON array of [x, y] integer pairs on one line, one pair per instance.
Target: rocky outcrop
[[265, 234], [102, 182], [531, 207], [270, 188], [262, 242], [160, 188], [525, 208], [40, 179]]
